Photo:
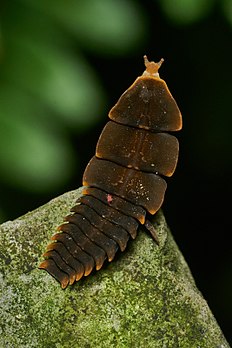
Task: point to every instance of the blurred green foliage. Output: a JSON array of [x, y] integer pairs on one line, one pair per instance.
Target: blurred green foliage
[[186, 11], [47, 86], [227, 9]]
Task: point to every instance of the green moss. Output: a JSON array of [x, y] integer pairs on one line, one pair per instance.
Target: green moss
[[145, 298]]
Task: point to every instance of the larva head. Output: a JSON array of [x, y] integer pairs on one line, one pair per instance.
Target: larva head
[[152, 68], [148, 103]]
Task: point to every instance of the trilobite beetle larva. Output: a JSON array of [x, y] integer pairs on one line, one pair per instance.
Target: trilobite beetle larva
[[124, 182]]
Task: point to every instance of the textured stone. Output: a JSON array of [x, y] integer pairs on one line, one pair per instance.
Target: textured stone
[[145, 298]]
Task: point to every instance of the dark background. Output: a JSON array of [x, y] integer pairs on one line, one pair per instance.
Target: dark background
[[196, 44]]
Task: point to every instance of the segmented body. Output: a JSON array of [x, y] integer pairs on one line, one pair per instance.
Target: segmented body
[[124, 180]]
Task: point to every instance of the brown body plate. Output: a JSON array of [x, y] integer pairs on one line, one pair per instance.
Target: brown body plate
[[145, 189], [138, 148], [107, 212], [148, 104], [123, 206]]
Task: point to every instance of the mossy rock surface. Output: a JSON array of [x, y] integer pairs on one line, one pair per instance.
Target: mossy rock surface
[[145, 298]]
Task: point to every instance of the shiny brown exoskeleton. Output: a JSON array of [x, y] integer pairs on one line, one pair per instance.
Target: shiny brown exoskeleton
[[124, 180]]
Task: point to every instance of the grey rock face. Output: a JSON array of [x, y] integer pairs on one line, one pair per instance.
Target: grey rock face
[[145, 298]]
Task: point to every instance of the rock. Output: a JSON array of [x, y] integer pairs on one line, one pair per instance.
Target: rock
[[145, 298]]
